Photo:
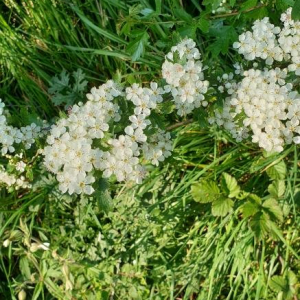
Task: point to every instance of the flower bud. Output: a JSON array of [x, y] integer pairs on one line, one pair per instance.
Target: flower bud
[[22, 295]]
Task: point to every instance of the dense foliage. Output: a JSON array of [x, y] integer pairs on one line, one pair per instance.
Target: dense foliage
[[217, 219]]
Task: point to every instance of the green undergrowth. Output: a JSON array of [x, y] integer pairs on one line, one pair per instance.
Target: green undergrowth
[[155, 241], [218, 220]]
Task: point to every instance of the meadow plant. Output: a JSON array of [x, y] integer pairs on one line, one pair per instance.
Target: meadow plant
[[259, 103]]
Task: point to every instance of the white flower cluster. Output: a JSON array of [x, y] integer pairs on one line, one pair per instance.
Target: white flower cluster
[[158, 148], [261, 42], [70, 154], [227, 83], [123, 159], [264, 104], [11, 180], [272, 43], [9, 135], [289, 40], [75, 147], [183, 71]]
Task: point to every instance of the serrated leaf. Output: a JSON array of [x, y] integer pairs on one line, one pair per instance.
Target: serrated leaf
[[285, 284], [249, 209], [284, 4], [278, 283], [277, 171], [230, 184], [57, 84], [205, 191], [260, 224], [79, 84], [221, 207], [203, 24], [277, 188], [296, 11], [225, 36], [137, 47], [273, 209], [187, 31]]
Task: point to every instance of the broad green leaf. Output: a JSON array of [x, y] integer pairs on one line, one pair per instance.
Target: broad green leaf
[[230, 184], [24, 267], [221, 207], [260, 224], [205, 191], [296, 10], [277, 171], [137, 47], [133, 293], [285, 284], [187, 31], [203, 24], [273, 209], [225, 36], [278, 283], [249, 209], [277, 188], [103, 196], [284, 4], [248, 4]]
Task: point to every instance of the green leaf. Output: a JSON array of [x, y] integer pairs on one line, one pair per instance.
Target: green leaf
[[278, 283], [187, 31], [248, 4], [57, 84], [225, 36], [29, 174], [203, 24], [24, 267], [249, 209], [277, 188], [282, 5], [79, 84], [205, 191], [222, 206], [277, 171], [103, 196], [285, 284], [296, 11], [260, 224], [181, 14], [111, 36], [200, 115], [137, 47], [272, 208], [229, 183], [166, 107]]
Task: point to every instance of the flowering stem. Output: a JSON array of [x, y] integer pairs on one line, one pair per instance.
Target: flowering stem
[[237, 12], [186, 122]]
